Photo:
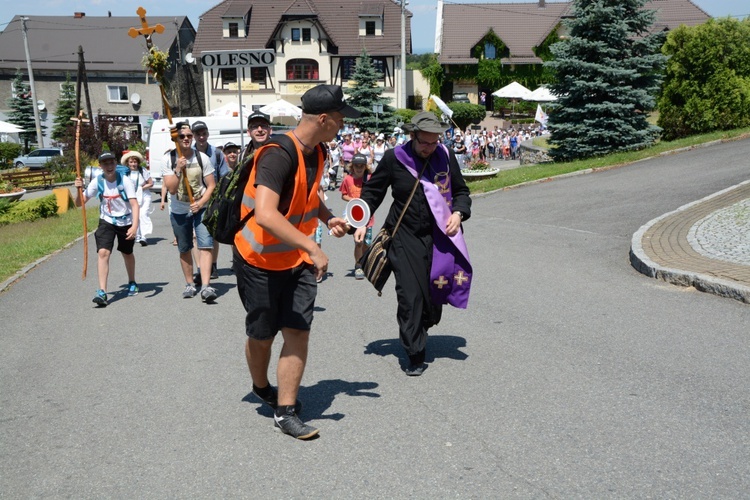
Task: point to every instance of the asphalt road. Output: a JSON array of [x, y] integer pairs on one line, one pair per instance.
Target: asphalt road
[[570, 375]]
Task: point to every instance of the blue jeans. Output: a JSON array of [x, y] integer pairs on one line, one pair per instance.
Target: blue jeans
[[184, 225]]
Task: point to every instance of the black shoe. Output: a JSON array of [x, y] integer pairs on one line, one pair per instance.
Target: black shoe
[[214, 272], [290, 423], [197, 280], [273, 400]]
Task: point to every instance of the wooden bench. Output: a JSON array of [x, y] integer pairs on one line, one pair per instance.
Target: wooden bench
[[29, 178]]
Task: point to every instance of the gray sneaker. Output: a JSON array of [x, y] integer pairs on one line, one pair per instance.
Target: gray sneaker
[[359, 274], [189, 292], [208, 294], [290, 423]]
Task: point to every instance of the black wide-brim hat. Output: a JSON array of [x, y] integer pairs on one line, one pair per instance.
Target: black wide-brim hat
[[426, 121]]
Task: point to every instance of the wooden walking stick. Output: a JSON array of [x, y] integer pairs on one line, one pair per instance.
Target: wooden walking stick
[[80, 119], [157, 64]]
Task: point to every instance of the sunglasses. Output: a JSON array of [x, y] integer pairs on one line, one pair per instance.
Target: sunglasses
[[185, 136]]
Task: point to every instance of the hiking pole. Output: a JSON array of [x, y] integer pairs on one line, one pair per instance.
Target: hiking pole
[[78, 121], [157, 64]]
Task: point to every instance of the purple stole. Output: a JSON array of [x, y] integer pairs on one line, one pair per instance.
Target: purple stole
[[451, 272]]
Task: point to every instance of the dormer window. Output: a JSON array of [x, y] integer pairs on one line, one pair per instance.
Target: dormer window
[[371, 19], [233, 27], [369, 28]]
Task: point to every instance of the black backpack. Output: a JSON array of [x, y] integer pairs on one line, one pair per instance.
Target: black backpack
[[222, 215]]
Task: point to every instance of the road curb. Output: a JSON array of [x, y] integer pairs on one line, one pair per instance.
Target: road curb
[[703, 282]]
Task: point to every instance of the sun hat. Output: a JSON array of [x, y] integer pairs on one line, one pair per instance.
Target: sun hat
[[126, 155], [426, 122]]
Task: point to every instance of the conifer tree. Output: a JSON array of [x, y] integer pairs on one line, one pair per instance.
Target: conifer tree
[[365, 93], [607, 75], [65, 111], [21, 111]]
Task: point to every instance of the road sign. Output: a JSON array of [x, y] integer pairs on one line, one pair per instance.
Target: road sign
[[238, 58]]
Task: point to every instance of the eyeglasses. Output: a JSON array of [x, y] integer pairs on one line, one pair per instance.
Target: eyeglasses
[[185, 136], [259, 125], [425, 143]]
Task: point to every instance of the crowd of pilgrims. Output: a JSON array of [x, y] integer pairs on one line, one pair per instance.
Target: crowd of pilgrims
[[469, 145]]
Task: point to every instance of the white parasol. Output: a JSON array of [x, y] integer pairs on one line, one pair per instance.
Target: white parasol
[[512, 91], [542, 94], [281, 108], [230, 109], [9, 128]]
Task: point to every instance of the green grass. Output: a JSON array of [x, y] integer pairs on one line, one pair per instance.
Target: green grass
[[507, 178], [25, 242]]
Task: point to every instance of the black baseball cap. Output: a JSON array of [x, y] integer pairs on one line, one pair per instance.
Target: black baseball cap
[[258, 115], [199, 125], [107, 156], [326, 98], [230, 145], [359, 158]]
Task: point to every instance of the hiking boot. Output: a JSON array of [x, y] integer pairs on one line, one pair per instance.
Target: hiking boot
[[214, 271], [290, 423], [208, 294], [273, 400], [132, 289], [100, 298], [359, 274], [189, 292]]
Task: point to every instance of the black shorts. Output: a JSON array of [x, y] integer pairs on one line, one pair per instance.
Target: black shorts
[[105, 237], [275, 299]]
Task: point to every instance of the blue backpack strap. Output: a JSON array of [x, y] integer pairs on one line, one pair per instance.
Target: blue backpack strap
[[120, 187]]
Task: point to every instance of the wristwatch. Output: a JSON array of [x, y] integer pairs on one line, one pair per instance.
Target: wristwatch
[[460, 215]]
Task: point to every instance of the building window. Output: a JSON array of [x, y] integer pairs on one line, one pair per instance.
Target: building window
[[306, 35], [234, 30], [302, 69], [117, 93], [347, 67], [258, 76], [489, 51], [379, 65], [228, 75], [370, 28], [295, 34]]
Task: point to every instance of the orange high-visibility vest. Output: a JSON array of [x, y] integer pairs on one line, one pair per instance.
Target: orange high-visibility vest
[[257, 246]]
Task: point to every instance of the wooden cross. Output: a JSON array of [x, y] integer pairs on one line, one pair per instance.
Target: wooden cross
[[80, 118], [145, 30], [441, 282], [460, 278]]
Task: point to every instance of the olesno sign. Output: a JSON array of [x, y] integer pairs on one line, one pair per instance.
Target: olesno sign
[[238, 58]]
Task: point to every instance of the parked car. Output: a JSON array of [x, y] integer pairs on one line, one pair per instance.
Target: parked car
[[37, 158]]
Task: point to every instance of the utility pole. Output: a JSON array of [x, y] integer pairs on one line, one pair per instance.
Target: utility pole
[[83, 79], [402, 104], [37, 121]]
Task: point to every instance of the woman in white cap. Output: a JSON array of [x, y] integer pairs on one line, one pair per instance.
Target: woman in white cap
[[141, 178], [378, 150]]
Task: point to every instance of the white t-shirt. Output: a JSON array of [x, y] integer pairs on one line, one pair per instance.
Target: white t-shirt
[[180, 204], [113, 208], [139, 179]]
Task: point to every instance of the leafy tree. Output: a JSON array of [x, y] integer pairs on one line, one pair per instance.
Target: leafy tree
[[707, 84], [22, 111], [607, 74], [365, 93], [433, 72], [66, 105]]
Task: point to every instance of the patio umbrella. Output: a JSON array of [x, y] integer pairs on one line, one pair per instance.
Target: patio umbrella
[[9, 128], [512, 91], [230, 109], [542, 94], [281, 108]]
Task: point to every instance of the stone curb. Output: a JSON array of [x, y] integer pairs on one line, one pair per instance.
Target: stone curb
[[703, 282]]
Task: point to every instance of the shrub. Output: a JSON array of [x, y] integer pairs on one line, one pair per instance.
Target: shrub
[[465, 114], [28, 210], [405, 115], [8, 152], [63, 168]]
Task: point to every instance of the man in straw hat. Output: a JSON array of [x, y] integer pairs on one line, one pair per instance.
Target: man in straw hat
[[428, 253], [275, 259]]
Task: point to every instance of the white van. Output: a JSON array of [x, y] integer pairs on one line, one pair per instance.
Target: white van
[[221, 129]]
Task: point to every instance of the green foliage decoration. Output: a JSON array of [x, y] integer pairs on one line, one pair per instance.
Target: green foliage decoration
[[707, 83], [433, 72], [29, 210]]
